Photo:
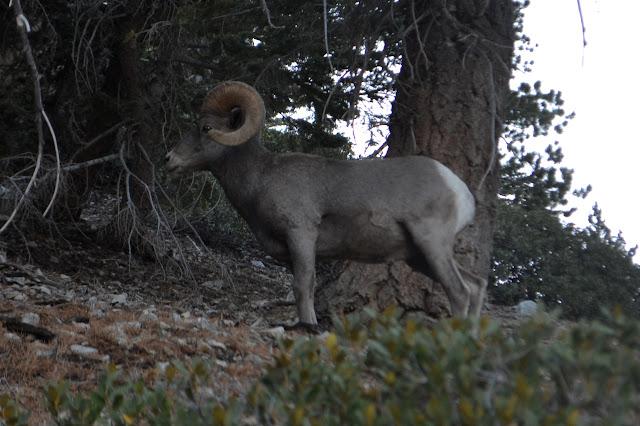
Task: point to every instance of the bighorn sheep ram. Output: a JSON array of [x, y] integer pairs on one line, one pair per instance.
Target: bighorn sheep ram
[[303, 207]]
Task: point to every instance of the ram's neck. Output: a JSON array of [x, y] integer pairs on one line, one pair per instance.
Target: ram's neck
[[240, 171]]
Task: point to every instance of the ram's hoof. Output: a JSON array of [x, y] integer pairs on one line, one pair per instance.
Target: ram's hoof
[[304, 327]]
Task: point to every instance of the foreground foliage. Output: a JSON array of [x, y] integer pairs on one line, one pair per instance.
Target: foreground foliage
[[392, 372]]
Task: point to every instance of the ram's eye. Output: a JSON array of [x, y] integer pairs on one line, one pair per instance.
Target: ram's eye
[[205, 129]]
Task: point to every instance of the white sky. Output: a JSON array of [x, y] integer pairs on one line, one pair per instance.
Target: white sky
[[599, 83]]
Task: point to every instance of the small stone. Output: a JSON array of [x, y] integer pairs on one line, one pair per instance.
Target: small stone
[[46, 353], [291, 298], [17, 280], [148, 317], [83, 350], [216, 285], [275, 332], [527, 308], [260, 303], [203, 347], [97, 313], [44, 289], [12, 336], [31, 318], [119, 298], [257, 264], [215, 344], [15, 295], [205, 324], [253, 358], [82, 325]]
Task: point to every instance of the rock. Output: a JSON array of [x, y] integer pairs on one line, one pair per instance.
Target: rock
[[215, 344], [275, 332], [147, 317], [12, 336], [205, 324], [260, 303], [18, 296], [119, 299], [527, 308], [98, 313], [83, 350], [291, 298], [216, 285], [253, 358], [44, 289], [82, 325], [257, 264], [46, 353], [16, 280], [31, 318]]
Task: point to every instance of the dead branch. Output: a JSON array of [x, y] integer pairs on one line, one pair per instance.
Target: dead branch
[[24, 28]]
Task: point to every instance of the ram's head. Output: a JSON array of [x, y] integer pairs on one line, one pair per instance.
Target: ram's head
[[231, 115]]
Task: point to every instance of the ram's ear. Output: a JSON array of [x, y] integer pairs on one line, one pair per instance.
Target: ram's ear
[[242, 108], [236, 118]]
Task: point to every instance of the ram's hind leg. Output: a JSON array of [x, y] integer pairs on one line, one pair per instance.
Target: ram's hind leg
[[437, 248], [478, 287]]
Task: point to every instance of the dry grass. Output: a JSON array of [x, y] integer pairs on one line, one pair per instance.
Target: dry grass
[[27, 365]]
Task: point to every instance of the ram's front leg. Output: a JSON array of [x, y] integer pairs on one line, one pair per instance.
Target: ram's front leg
[[302, 250]]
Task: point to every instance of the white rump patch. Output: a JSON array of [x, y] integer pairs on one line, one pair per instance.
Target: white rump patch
[[465, 203]]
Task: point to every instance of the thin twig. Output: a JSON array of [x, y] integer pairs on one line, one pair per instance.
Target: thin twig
[[55, 146], [326, 35], [265, 9], [98, 138], [90, 163]]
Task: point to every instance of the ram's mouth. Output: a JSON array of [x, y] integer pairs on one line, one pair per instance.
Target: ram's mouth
[[175, 171]]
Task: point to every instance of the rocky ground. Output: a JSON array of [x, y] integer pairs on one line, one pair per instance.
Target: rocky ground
[[69, 306]]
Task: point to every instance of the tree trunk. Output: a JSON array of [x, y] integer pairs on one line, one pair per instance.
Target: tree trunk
[[450, 103], [123, 97]]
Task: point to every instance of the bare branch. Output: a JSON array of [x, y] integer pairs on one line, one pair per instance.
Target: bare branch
[[326, 36], [23, 28], [55, 145], [98, 138], [90, 163], [265, 9]]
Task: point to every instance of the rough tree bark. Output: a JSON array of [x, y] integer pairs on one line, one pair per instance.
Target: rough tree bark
[[450, 103]]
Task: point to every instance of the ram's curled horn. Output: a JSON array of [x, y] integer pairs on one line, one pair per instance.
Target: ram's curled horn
[[241, 105]]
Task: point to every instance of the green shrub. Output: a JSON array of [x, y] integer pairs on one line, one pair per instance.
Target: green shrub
[[375, 369], [393, 373]]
